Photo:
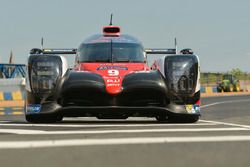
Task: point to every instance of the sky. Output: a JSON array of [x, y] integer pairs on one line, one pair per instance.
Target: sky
[[218, 31]]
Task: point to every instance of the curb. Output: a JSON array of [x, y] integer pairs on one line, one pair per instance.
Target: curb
[[224, 94], [13, 113], [12, 107]]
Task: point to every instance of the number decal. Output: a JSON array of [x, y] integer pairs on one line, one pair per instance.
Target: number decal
[[113, 72]]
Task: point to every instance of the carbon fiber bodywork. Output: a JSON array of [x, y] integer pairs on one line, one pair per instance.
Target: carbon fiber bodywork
[[84, 94]]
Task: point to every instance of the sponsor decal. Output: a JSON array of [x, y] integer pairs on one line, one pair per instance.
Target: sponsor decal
[[112, 68], [113, 85], [108, 39], [113, 72], [34, 108], [99, 41], [113, 80], [192, 108]]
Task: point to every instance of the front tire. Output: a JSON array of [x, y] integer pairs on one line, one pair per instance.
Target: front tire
[[48, 118]]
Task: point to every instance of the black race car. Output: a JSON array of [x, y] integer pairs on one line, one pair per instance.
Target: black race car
[[111, 80]]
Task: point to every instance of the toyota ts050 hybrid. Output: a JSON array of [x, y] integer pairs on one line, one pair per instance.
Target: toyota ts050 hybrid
[[111, 80]]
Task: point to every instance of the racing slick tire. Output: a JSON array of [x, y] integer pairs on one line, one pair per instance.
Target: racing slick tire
[[48, 118]]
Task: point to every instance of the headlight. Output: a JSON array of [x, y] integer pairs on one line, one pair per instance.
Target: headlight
[[181, 72], [44, 72]]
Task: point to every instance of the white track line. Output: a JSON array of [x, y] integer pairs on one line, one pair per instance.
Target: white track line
[[225, 123], [224, 102], [21, 131], [228, 124], [117, 141], [40, 132], [101, 125]]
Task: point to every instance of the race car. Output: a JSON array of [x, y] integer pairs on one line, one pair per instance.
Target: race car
[[111, 79]]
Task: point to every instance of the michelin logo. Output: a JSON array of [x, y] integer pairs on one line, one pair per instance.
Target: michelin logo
[[34, 108]]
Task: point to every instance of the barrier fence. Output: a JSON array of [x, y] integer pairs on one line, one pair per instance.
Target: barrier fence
[[12, 96], [212, 88]]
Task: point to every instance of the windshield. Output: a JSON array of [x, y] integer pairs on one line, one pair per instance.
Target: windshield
[[111, 52]]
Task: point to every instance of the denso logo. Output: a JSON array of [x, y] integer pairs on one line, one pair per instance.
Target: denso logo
[[113, 85]]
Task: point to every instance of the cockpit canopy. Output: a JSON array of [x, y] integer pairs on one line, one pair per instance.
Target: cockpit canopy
[[111, 49]]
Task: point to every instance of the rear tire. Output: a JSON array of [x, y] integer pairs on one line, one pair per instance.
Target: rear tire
[[230, 88], [237, 88], [48, 118]]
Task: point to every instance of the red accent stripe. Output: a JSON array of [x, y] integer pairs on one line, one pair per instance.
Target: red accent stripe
[[198, 102]]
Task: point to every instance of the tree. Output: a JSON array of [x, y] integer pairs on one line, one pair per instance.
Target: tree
[[237, 73]]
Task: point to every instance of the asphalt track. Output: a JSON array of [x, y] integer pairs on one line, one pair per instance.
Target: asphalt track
[[220, 138]]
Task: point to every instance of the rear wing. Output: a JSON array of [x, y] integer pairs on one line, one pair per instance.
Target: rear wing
[[53, 51], [160, 51], [60, 51], [168, 51], [163, 50]]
